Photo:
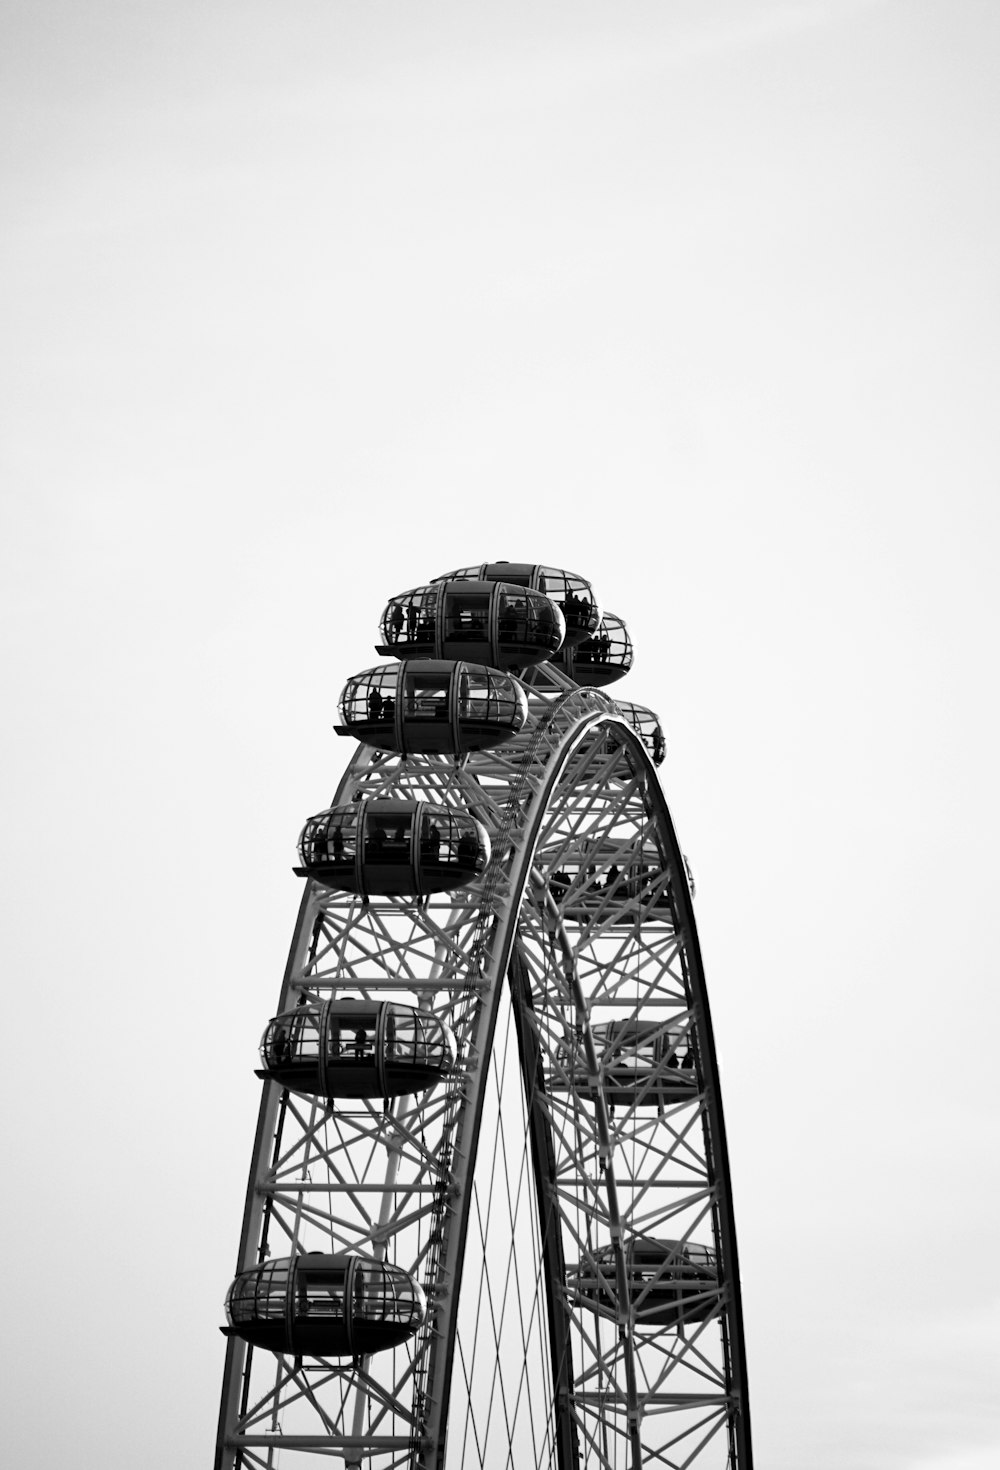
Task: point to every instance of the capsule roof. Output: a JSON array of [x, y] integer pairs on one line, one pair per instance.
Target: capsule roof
[[601, 659]]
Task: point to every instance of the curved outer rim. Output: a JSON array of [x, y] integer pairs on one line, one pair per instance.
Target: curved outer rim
[[439, 1385], [597, 710], [710, 1065]]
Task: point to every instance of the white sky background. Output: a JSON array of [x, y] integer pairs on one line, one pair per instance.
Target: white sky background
[[306, 303]]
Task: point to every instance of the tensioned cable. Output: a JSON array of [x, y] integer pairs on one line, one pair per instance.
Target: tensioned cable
[[497, 1325], [526, 1190]]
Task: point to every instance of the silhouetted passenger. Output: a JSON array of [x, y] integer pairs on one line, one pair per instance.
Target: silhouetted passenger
[[374, 704], [411, 621], [396, 621], [338, 843], [559, 885], [431, 844], [360, 1037]]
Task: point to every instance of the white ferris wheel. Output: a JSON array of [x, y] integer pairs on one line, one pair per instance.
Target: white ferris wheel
[[488, 1220]]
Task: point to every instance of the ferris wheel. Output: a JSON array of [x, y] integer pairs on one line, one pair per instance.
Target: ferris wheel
[[489, 1221]]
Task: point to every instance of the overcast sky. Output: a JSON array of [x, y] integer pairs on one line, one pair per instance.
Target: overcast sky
[[306, 303]]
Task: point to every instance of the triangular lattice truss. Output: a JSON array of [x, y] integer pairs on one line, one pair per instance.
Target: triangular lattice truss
[[534, 1174]]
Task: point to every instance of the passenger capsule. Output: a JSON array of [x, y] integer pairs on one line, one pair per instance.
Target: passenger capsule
[[493, 622], [669, 1282], [573, 595], [599, 660], [324, 1306], [648, 728], [641, 1064], [356, 1048], [393, 848], [424, 705], [598, 889]]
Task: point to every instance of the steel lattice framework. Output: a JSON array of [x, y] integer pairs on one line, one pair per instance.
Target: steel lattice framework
[[522, 1176]]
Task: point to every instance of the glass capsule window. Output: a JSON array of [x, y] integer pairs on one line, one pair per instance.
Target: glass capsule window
[[426, 694], [410, 620], [647, 726], [467, 615], [656, 1256], [512, 616], [645, 882], [640, 1053], [490, 698], [387, 1294], [574, 598], [370, 697], [663, 1257], [478, 697], [610, 646], [545, 622], [260, 1295], [295, 1036], [700, 1255], [320, 1290], [644, 1047], [592, 882], [413, 1039], [330, 838], [387, 836], [352, 1035], [450, 838], [529, 617]]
